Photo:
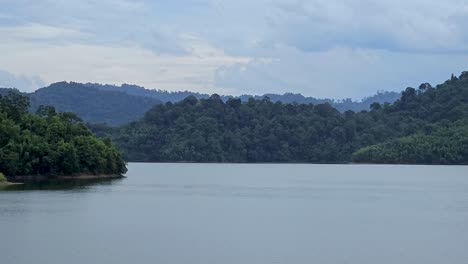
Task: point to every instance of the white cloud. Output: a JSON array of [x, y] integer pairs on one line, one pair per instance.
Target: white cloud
[[118, 63], [415, 25], [238, 46], [21, 82], [339, 72], [38, 32]]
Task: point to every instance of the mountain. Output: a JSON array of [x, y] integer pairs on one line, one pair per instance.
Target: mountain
[[435, 126], [6, 91], [173, 97], [117, 105], [91, 104], [212, 130], [341, 105], [161, 95]]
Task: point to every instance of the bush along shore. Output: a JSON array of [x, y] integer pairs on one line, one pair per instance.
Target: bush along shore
[[4, 182], [51, 145]]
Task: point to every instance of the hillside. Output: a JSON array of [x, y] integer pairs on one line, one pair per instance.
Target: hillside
[[341, 105], [50, 143], [118, 105], [90, 104], [173, 97], [211, 130], [445, 145]]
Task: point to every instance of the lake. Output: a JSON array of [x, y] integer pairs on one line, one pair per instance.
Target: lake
[[242, 214]]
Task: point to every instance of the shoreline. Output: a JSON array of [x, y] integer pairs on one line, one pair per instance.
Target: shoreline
[[6, 184], [32, 178], [294, 163]]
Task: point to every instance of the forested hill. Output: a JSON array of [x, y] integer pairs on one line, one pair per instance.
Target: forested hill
[[341, 105], [173, 97], [50, 143], [91, 104], [117, 105], [211, 130]]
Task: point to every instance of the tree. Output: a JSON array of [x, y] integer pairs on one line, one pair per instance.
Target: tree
[[50, 143], [260, 130]]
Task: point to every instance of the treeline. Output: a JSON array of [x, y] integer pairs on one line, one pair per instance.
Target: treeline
[[119, 105], [174, 97], [446, 145], [50, 143], [91, 104], [211, 130]]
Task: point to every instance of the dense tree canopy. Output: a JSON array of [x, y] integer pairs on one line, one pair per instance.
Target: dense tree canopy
[[446, 145], [50, 143], [211, 130], [91, 104], [118, 105]]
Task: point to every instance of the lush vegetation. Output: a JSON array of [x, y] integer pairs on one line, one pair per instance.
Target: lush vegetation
[[340, 105], [446, 145], [118, 105], [50, 143], [174, 97], [89, 103], [2, 178], [211, 130], [425, 125]]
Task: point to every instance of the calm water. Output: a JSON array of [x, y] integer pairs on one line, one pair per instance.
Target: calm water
[[242, 214]]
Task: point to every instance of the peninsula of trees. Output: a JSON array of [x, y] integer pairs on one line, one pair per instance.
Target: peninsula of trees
[[427, 125], [51, 144]]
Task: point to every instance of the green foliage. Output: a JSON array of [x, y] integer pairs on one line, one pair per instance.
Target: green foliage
[[117, 105], [2, 177], [447, 145], [174, 97], [93, 105], [50, 143], [211, 130]]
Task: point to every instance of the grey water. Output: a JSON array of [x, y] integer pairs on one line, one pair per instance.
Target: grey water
[[240, 213]]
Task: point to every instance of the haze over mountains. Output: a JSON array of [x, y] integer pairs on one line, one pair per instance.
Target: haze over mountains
[[117, 105]]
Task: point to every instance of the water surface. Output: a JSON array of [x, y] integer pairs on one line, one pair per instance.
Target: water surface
[[238, 213]]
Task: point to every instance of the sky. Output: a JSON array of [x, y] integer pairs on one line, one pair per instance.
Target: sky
[[334, 49]]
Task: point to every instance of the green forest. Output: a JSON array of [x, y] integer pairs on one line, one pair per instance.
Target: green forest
[[50, 143], [427, 125], [120, 105], [446, 145]]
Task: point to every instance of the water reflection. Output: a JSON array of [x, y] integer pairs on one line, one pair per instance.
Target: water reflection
[[262, 214], [61, 185]]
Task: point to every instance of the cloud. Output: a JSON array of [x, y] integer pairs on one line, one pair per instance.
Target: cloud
[[238, 46], [38, 32], [246, 27], [119, 63], [104, 22], [399, 25], [21, 82], [339, 73]]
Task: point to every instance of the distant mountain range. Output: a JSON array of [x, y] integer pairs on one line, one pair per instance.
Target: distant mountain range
[[117, 105], [341, 105], [91, 104]]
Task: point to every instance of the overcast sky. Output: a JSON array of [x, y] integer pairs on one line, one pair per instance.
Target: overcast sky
[[322, 48]]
